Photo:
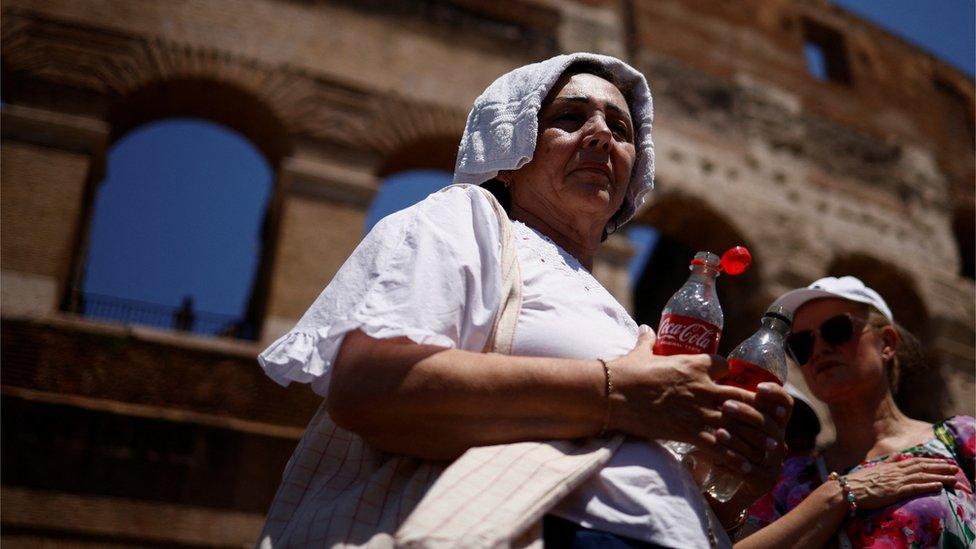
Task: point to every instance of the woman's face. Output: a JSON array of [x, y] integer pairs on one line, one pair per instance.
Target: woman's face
[[854, 369], [584, 152]]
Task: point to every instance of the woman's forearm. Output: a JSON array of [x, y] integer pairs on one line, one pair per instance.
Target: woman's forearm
[[812, 523], [435, 403]]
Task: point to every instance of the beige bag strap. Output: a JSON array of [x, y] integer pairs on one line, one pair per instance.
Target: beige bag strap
[[502, 334], [492, 495]]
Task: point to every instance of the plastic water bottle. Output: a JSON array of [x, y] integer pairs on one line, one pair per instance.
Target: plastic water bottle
[[758, 359]]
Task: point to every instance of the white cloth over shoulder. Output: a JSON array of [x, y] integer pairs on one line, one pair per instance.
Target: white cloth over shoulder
[[416, 274], [502, 126]]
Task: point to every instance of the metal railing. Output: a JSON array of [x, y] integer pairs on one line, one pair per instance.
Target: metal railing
[[182, 318]]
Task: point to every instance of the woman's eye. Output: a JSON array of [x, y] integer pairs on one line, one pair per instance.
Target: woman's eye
[[620, 130]]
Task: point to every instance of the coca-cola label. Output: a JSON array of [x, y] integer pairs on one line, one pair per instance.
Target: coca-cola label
[[747, 375], [685, 335]]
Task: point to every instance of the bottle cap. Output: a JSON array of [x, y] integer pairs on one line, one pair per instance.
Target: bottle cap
[[736, 260], [781, 313]]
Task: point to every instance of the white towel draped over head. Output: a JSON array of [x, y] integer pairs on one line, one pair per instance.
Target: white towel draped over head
[[502, 126]]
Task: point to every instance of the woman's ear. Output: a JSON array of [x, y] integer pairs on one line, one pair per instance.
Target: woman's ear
[[890, 339]]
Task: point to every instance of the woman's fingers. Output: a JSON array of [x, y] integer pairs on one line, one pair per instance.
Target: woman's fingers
[[764, 453], [747, 424], [773, 400], [909, 490], [645, 338]]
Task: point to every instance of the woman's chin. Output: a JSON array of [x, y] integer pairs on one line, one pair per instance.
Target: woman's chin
[[595, 195]]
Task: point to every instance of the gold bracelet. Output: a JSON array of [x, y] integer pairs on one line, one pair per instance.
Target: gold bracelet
[[608, 390]]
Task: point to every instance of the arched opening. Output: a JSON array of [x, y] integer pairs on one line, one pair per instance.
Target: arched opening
[[921, 388], [684, 226], [175, 234], [403, 189], [410, 173], [964, 229], [181, 230]]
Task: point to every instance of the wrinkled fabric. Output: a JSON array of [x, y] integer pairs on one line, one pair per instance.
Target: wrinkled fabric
[[407, 278], [502, 126]]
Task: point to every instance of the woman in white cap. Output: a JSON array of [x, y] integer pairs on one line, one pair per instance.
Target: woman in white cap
[[887, 480], [397, 342]]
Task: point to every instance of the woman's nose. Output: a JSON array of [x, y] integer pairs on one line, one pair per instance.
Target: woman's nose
[[819, 347], [599, 137]]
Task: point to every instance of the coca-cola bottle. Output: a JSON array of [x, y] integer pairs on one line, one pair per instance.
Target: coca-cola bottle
[[760, 358], [691, 322]]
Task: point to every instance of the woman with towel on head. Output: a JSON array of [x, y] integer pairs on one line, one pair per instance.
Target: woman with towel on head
[[887, 480], [472, 320]]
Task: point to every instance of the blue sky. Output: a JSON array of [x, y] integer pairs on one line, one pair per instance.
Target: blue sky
[[943, 27], [180, 210]]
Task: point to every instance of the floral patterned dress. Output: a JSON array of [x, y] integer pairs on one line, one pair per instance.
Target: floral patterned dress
[[942, 519]]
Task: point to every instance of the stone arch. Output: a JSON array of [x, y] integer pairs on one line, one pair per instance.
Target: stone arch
[[921, 389], [410, 135], [686, 225], [896, 286], [218, 101], [435, 153]]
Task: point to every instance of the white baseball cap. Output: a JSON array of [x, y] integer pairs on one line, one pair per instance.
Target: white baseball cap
[[845, 287]]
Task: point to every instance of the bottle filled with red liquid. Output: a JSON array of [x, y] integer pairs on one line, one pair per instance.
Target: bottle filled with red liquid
[[692, 320], [760, 358]]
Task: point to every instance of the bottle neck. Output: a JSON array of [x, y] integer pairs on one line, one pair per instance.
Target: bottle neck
[[776, 325], [704, 275]]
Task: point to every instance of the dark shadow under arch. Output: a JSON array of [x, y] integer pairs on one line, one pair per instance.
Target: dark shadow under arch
[[686, 226], [964, 230]]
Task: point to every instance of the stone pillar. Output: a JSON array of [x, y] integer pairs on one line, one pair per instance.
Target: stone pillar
[[45, 162], [322, 220]]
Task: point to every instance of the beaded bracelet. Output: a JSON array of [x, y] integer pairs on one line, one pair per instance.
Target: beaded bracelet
[[846, 490], [608, 390]]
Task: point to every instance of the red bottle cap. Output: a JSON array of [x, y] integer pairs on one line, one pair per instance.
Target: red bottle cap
[[736, 260]]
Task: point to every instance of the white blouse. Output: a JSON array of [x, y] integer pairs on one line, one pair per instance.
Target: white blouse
[[431, 273]]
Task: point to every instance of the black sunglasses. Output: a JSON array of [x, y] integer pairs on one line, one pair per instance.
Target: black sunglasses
[[836, 330]]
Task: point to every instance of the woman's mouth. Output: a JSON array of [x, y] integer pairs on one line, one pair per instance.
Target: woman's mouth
[[827, 365], [596, 170]]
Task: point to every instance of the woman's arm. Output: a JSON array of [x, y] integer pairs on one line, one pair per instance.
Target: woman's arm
[[818, 517], [812, 523], [435, 403]]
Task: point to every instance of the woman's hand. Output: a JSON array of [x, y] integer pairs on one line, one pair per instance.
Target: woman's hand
[[892, 481], [757, 432], [672, 397]]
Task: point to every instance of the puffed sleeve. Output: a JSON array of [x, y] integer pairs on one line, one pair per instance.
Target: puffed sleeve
[[431, 273]]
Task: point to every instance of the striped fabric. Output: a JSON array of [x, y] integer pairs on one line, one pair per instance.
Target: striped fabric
[[339, 492]]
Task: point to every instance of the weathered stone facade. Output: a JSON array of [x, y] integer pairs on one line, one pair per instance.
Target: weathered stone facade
[[869, 173]]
